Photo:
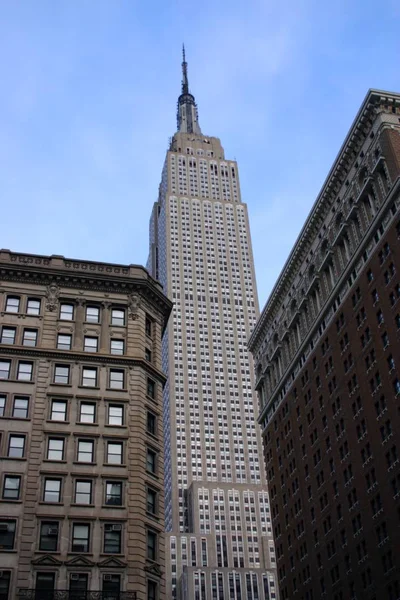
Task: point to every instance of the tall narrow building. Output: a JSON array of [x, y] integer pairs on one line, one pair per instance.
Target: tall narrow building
[[219, 539]]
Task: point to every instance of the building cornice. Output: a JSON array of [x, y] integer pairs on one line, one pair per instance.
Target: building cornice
[[347, 155]]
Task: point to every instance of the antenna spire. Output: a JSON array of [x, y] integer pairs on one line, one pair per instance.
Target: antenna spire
[[185, 82], [187, 117]]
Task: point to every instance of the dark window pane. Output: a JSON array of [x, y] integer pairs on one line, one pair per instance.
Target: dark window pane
[[49, 536], [80, 538], [114, 493], [112, 538]]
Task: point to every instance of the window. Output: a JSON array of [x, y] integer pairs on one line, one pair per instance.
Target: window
[[52, 490], [114, 493], [33, 306], [148, 326], [90, 344], [89, 377], [80, 537], [67, 312], [85, 451], [58, 410], [114, 453], [116, 379], [64, 341], [61, 374], [11, 488], [5, 585], [83, 492], [5, 367], [151, 388], [30, 337], [16, 446], [151, 501], [87, 412], [55, 449], [12, 304], [117, 317], [92, 314], [115, 414], [2, 405], [112, 538], [151, 545], [48, 540], [25, 370], [151, 423], [151, 461], [152, 590], [20, 407], [45, 582], [8, 335], [111, 583], [78, 585], [147, 354], [7, 534], [117, 347]]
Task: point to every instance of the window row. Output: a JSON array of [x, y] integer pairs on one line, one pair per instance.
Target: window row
[[52, 492], [81, 540], [85, 451]]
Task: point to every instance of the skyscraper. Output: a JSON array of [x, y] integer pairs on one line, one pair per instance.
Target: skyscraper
[[327, 352], [219, 537]]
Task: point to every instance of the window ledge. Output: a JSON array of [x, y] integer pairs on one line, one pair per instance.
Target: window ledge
[[117, 426], [43, 503], [15, 418], [50, 460], [58, 384], [118, 506], [54, 421], [115, 465], [82, 505], [109, 389], [9, 551], [7, 500], [119, 555], [80, 462], [87, 424], [20, 458], [88, 387]]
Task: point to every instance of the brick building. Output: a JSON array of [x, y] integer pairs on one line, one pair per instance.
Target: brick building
[[327, 354], [81, 446]]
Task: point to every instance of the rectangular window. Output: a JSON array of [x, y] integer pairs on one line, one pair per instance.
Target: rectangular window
[[112, 584], [115, 414], [30, 337], [45, 582], [55, 449], [67, 312], [151, 461], [148, 326], [16, 446], [5, 368], [116, 379], [151, 388], [52, 490], [2, 405], [7, 534], [12, 304], [25, 370], [151, 423], [87, 412], [11, 488], [8, 335], [48, 540], [83, 492], [61, 374], [85, 451], [20, 407], [151, 501], [114, 493], [64, 341], [117, 317], [114, 453], [33, 306], [80, 537], [117, 347], [147, 354], [112, 538], [90, 344], [89, 377], [152, 590], [92, 314], [151, 545], [5, 585], [78, 586], [58, 410]]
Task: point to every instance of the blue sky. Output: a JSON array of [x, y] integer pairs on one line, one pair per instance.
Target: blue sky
[[89, 90]]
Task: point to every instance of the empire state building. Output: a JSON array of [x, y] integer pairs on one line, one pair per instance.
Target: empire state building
[[218, 522]]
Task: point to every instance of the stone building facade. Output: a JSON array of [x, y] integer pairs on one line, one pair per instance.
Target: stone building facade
[[81, 446], [327, 352]]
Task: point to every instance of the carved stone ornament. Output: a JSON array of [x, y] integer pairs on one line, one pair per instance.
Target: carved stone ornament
[[133, 306], [52, 294]]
